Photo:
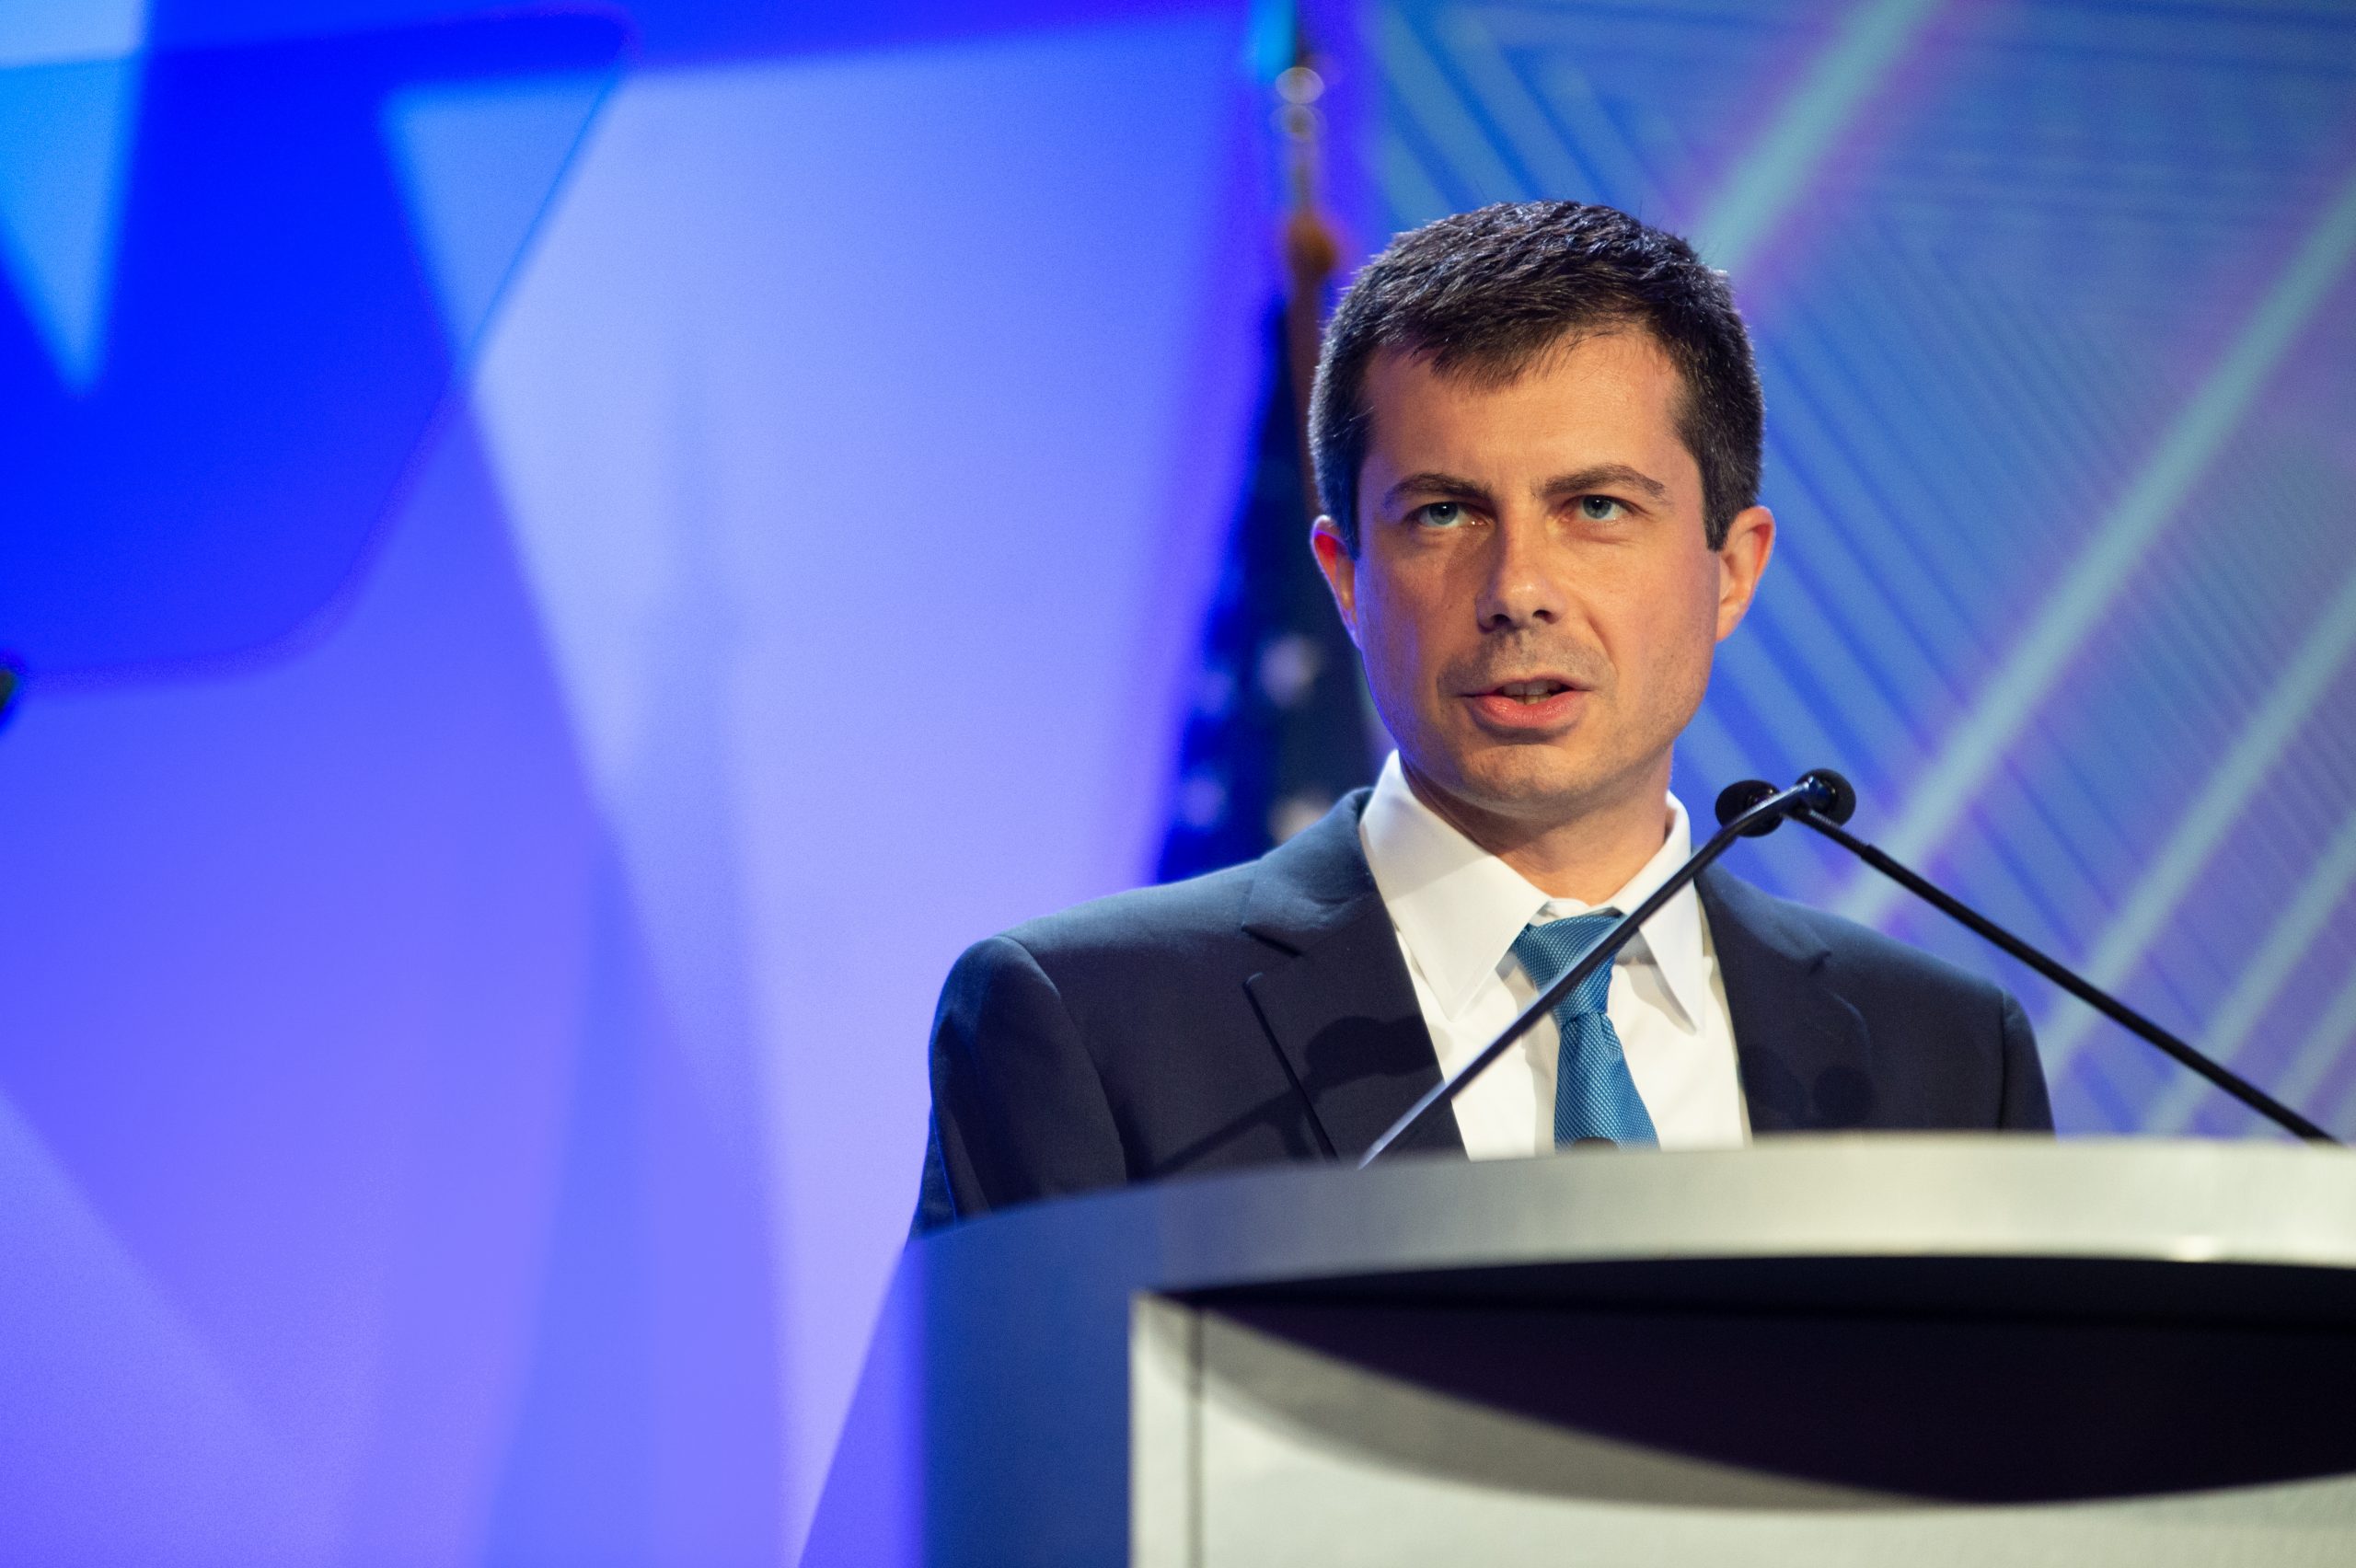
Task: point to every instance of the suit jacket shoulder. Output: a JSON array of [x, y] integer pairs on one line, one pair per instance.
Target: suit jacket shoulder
[[1257, 1014], [1838, 1026], [1101, 951]]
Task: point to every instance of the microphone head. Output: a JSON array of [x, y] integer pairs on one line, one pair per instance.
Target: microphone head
[[1829, 795], [1736, 799]]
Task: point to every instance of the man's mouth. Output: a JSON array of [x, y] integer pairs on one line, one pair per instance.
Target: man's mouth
[[1530, 691], [1528, 704]]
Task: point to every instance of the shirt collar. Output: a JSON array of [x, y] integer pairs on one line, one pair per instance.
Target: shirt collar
[[1458, 907]]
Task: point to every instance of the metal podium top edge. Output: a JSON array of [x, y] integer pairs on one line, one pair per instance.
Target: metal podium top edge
[[1841, 1195]]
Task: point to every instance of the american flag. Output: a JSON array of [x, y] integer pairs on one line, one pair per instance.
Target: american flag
[[1278, 730]]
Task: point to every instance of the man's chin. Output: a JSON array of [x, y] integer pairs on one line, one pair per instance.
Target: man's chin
[[1534, 784]]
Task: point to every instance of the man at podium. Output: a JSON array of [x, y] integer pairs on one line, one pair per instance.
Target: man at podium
[[1537, 430]]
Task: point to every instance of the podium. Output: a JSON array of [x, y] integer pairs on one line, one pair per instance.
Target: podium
[[1878, 1349]]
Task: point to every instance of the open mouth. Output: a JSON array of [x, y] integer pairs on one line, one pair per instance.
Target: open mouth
[[1529, 693], [1539, 703]]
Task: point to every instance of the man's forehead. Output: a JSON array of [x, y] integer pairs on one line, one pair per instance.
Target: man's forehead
[[1617, 388]]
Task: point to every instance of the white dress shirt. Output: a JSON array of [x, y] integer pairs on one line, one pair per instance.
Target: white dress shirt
[[1457, 909]]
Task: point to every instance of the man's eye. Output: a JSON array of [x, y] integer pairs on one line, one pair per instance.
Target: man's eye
[[1441, 514], [1601, 509]]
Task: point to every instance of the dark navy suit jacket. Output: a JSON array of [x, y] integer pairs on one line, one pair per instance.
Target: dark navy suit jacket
[[1265, 1013]]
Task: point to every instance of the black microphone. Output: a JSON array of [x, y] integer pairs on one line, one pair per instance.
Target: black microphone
[[1735, 803], [1820, 790]]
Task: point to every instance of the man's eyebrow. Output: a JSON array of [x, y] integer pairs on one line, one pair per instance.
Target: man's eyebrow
[[1603, 475], [1446, 487]]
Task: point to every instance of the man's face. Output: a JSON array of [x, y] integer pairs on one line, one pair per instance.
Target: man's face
[[1534, 593]]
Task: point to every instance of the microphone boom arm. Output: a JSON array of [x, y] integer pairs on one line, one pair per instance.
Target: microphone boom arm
[[2102, 1001]]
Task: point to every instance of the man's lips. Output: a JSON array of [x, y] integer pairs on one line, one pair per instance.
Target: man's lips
[[1528, 702]]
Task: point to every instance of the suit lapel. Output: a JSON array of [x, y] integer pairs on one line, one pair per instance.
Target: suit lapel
[[1805, 1058], [1335, 996]]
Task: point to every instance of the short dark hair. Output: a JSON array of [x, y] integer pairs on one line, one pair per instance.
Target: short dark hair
[[1485, 293]]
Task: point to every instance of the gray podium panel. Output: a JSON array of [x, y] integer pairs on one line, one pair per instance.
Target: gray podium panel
[[1838, 1349]]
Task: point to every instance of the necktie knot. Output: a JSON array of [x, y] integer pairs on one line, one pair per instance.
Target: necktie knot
[[1548, 952]]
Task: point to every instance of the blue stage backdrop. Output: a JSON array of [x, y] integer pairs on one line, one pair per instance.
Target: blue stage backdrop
[[571, 558]]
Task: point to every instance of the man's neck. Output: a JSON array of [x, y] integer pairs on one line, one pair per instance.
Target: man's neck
[[1587, 857]]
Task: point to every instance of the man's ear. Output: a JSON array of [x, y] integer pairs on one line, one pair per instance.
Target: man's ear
[[1341, 569], [1742, 560]]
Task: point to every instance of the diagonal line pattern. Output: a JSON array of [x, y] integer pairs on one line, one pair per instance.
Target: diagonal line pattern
[[2153, 901], [2322, 1047], [1759, 191], [1555, 169], [1429, 101], [1978, 745], [2279, 952], [1408, 188]]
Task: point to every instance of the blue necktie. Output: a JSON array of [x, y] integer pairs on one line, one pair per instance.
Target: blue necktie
[[1594, 1096]]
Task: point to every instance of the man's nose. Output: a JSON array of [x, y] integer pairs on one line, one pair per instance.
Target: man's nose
[[1519, 588]]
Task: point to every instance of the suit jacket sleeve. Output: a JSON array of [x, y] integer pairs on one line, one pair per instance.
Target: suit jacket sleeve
[[1019, 1110], [2025, 1107]]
